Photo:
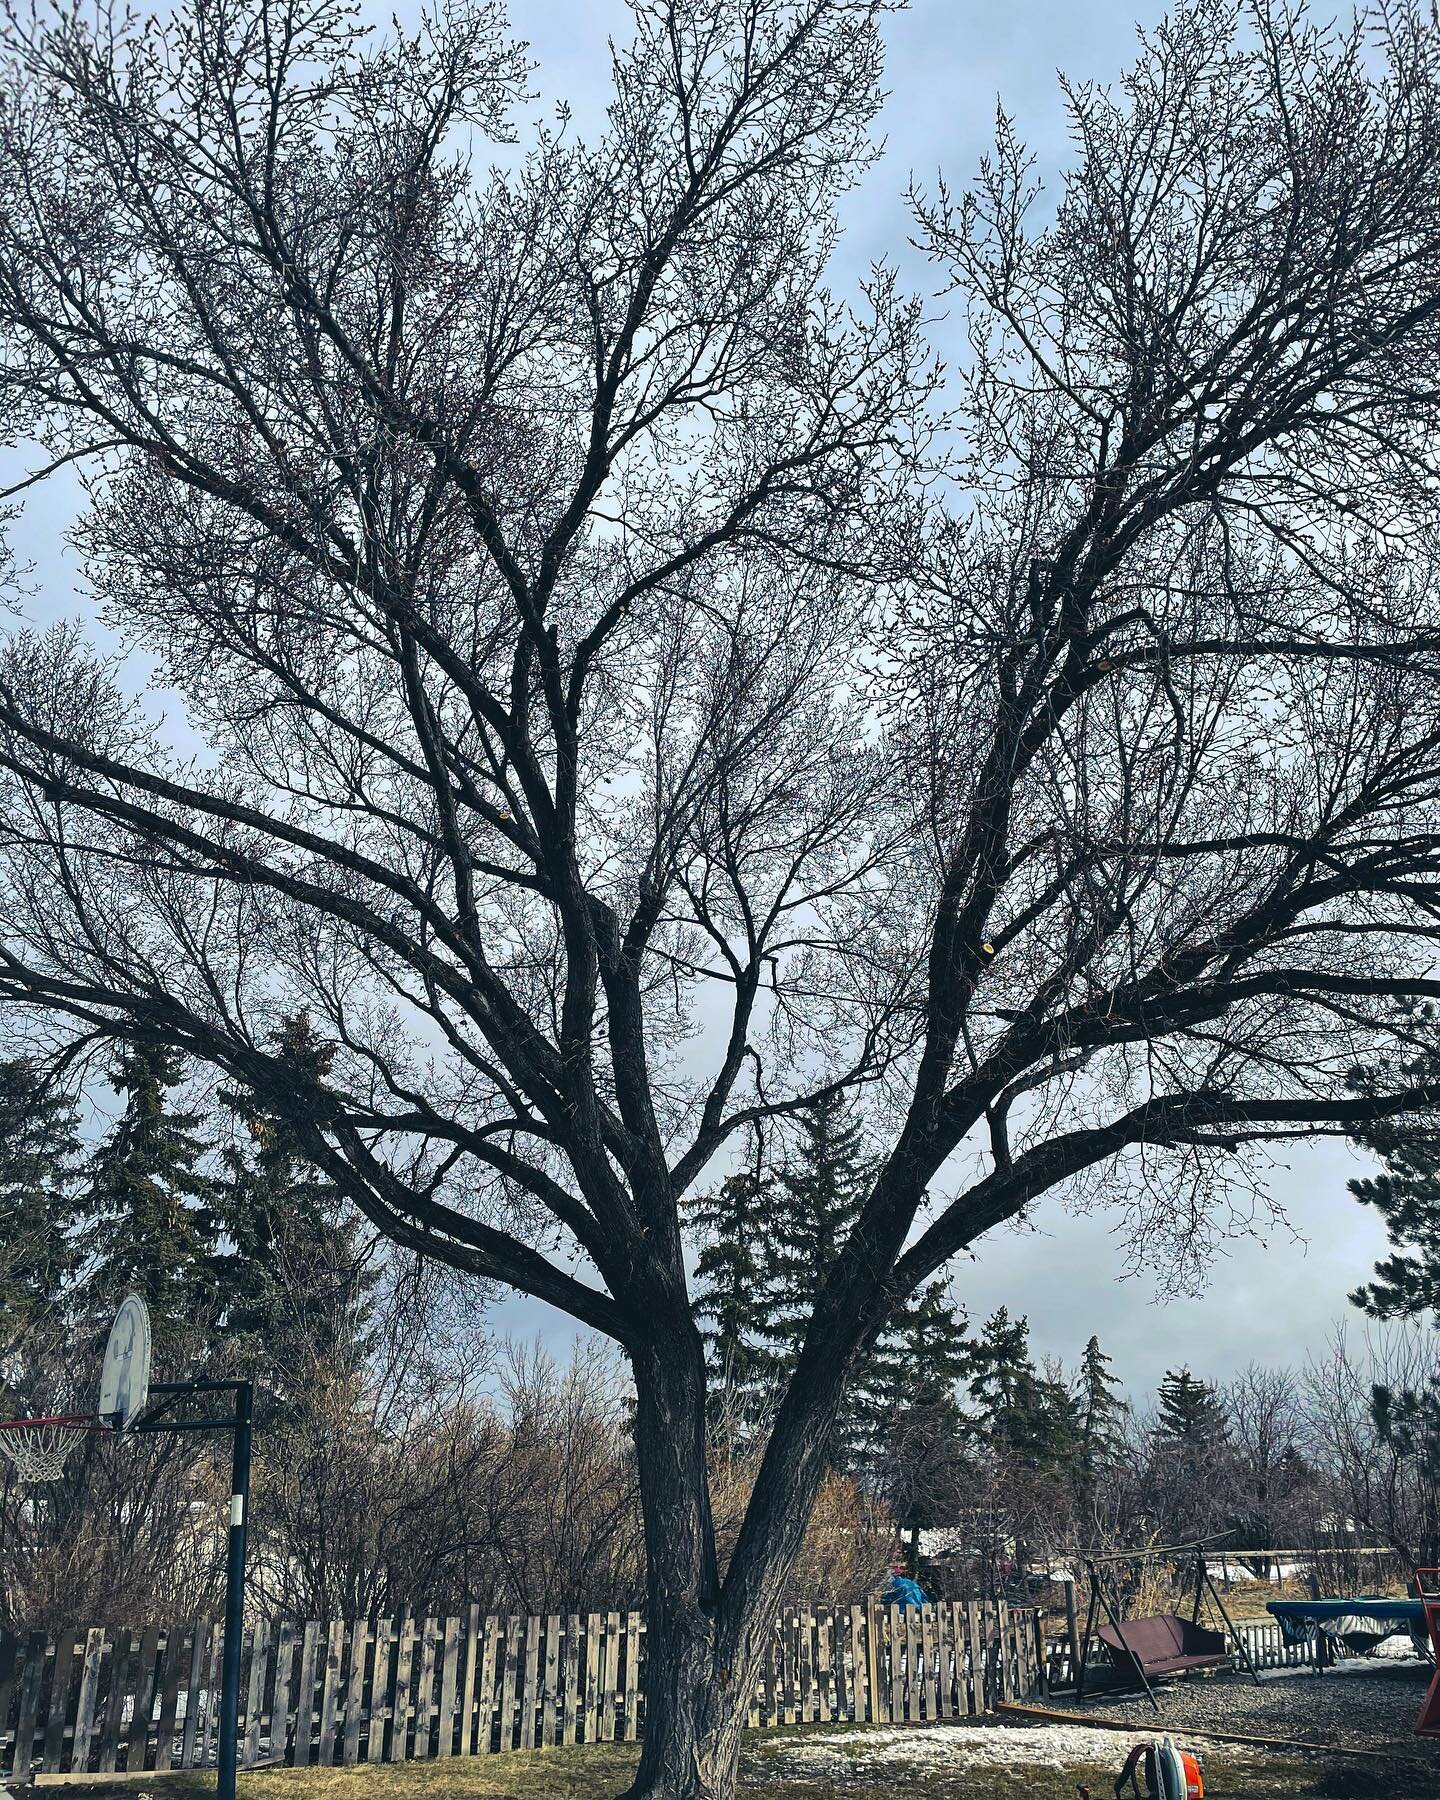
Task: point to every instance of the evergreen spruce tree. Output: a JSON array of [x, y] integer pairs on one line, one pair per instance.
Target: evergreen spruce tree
[[1407, 1282], [918, 1442], [932, 1352], [39, 1162], [1100, 1410], [732, 1294], [1194, 1487], [147, 1218], [1408, 1421], [1407, 1197], [769, 1242], [818, 1196], [915, 1369], [294, 1289], [1189, 1412], [817, 1200], [1022, 1413], [1001, 1367]]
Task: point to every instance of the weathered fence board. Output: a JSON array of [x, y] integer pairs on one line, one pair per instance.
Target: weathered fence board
[[570, 1712], [610, 1677], [199, 1643], [104, 1700], [86, 1700], [255, 1701], [212, 1709], [449, 1674], [354, 1693]]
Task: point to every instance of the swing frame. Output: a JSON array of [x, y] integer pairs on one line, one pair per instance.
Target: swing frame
[[1202, 1579]]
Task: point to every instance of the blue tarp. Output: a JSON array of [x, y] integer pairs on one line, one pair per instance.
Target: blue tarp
[[902, 1591], [1368, 1618]]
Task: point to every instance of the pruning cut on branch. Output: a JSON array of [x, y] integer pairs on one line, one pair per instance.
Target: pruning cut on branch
[[643, 696]]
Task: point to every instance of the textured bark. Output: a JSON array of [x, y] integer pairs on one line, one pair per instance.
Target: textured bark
[[695, 1712], [696, 1679], [704, 1638]]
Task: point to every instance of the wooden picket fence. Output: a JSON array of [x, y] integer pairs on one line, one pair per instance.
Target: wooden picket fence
[[101, 1701], [1268, 1649]]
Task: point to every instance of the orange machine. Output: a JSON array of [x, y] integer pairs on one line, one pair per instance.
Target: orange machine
[[1169, 1773]]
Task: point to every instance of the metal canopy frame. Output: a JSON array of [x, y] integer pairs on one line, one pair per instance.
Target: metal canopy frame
[[1202, 1580]]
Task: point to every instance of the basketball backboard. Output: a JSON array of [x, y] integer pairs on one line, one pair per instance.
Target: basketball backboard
[[125, 1372]]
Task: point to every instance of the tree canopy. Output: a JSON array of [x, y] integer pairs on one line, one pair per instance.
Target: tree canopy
[[644, 694]]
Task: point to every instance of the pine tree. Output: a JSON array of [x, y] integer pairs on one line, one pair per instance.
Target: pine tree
[[1022, 1413], [914, 1371], [769, 1242], [1000, 1365], [732, 1294], [1407, 1197], [917, 1444], [1407, 1282], [1190, 1413], [818, 1197], [1100, 1410], [1408, 1421], [294, 1289], [932, 1348], [39, 1160], [817, 1200], [147, 1207]]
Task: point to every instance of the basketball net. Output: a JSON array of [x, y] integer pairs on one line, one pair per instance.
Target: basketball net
[[40, 1448]]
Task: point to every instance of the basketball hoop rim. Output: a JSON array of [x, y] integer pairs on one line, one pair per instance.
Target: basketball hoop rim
[[62, 1421], [40, 1447]]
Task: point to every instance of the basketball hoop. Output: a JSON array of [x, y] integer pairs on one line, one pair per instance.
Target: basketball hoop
[[40, 1448]]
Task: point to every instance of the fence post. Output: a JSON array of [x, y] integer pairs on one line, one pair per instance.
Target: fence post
[[1072, 1630]]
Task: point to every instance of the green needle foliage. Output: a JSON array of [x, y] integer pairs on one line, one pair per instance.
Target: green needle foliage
[[1101, 1412], [1406, 1194], [39, 1158], [294, 1278], [1022, 1412], [147, 1211], [732, 1297], [768, 1240]]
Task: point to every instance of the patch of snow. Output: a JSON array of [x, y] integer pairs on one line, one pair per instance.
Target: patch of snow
[[961, 1747]]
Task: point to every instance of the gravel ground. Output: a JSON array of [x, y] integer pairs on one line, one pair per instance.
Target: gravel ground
[[1368, 1704]]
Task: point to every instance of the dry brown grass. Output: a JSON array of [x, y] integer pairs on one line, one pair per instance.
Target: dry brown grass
[[602, 1772]]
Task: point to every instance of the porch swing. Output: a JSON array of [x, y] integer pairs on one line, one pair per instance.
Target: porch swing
[[1162, 1644]]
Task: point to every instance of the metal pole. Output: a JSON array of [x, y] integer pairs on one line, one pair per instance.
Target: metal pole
[[235, 1595], [1091, 1571], [1116, 1621], [1241, 1644]]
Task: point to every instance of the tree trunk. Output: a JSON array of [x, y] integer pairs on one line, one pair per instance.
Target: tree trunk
[[703, 1646], [696, 1698], [695, 1710]]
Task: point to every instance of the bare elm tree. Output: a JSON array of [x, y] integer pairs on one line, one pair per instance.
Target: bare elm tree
[[639, 699]]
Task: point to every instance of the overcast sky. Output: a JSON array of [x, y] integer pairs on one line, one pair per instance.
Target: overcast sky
[[1271, 1300]]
